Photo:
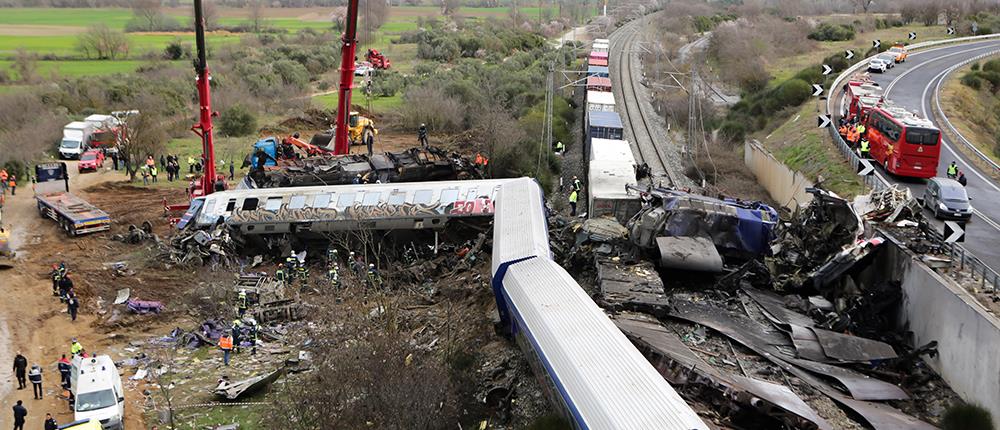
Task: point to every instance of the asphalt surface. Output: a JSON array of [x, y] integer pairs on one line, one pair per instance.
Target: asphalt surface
[[911, 84]]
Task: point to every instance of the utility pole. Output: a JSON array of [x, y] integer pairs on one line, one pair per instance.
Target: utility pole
[[545, 142]]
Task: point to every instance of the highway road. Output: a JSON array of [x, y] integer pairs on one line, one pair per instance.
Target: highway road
[[911, 84]]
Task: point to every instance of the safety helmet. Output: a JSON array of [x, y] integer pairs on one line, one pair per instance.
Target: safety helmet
[[371, 266], [291, 253], [243, 291]]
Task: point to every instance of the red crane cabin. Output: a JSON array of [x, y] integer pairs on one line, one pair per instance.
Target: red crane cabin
[[902, 142]]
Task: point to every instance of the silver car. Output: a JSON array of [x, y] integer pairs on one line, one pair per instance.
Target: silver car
[[947, 199], [889, 59], [877, 64]]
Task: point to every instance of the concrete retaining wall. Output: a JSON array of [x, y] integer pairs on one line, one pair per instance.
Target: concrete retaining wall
[[785, 185], [935, 308]]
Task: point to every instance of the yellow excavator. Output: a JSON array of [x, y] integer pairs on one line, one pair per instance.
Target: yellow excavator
[[360, 131]]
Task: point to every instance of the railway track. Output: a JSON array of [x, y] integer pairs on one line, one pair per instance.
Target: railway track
[[633, 115]]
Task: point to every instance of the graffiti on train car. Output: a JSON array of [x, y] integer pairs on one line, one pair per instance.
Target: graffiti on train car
[[479, 205], [385, 210]]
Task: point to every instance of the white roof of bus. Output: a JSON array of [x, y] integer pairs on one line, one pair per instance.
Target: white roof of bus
[[611, 150], [909, 119], [608, 179], [601, 97]]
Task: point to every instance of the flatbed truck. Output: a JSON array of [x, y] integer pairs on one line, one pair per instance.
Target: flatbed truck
[[73, 214]]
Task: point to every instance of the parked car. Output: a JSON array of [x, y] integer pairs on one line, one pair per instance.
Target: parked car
[[947, 199], [890, 59], [878, 64], [90, 160], [362, 69]]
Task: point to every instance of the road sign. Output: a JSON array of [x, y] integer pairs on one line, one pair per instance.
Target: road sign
[[913, 35], [975, 28], [823, 121], [951, 30], [954, 232], [876, 43], [817, 90], [849, 54], [827, 70], [865, 167]]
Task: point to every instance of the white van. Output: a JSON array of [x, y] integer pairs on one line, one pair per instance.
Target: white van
[[98, 393], [76, 139]]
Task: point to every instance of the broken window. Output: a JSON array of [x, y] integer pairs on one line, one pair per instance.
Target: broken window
[[297, 202], [231, 205], [250, 204], [273, 204]]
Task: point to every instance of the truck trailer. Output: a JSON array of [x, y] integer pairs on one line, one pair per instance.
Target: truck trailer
[[73, 214], [76, 139]]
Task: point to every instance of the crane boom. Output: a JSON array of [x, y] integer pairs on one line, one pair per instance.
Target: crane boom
[[204, 126], [341, 143]]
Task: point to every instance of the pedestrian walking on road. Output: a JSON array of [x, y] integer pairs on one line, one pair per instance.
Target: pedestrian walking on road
[[65, 367], [12, 183], [20, 369], [50, 423], [226, 345], [573, 196], [72, 305], [19, 413], [952, 170], [35, 376], [961, 179]]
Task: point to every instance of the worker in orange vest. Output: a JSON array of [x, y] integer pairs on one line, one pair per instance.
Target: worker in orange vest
[[13, 184], [226, 345], [852, 135]]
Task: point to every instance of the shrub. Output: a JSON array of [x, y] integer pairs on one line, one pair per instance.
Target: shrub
[[792, 93], [966, 417], [991, 66], [972, 81], [174, 50], [733, 131], [827, 32], [975, 66], [237, 121], [292, 73]]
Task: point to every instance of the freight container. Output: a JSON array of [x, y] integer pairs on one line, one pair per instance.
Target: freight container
[[601, 55], [596, 83], [600, 101], [604, 125], [601, 47], [598, 71], [611, 150], [608, 195], [603, 62]]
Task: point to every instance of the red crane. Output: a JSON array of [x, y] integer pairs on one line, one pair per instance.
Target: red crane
[[341, 144], [204, 126]]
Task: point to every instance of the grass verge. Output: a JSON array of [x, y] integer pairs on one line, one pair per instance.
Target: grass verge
[[973, 113]]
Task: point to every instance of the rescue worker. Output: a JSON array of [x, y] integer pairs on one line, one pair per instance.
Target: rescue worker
[[50, 423], [560, 148], [12, 183], [861, 130], [573, 196], [253, 330], [237, 333], [20, 369], [302, 273], [75, 348], [291, 262], [279, 274], [422, 135], [19, 413], [35, 376], [56, 277], [374, 280], [577, 185], [333, 275], [952, 170], [864, 148], [356, 265], [191, 163], [852, 135], [72, 305], [357, 179], [65, 287], [961, 179], [65, 367], [331, 256], [226, 345], [843, 130], [241, 303]]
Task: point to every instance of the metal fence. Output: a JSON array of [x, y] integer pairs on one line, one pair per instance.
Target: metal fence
[[965, 260]]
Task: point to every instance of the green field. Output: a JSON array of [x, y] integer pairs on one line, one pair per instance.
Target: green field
[[65, 17], [379, 104], [65, 46], [82, 67]]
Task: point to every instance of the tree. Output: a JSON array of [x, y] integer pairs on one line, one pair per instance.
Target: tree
[[210, 13], [864, 5], [101, 42], [256, 10], [450, 7], [148, 12], [373, 14], [26, 65], [142, 134]]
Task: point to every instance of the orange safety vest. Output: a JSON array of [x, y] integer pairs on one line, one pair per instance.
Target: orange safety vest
[[479, 159], [12, 183], [226, 342]]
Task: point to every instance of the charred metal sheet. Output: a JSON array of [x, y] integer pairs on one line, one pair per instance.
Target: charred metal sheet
[[634, 286], [879, 416], [861, 387], [774, 305], [653, 338], [689, 253], [852, 348], [806, 343]]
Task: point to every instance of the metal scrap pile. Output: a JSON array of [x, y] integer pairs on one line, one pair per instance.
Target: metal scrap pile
[[198, 247], [888, 205], [412, 165]]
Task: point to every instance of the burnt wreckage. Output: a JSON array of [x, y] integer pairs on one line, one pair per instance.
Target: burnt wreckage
[[812, 314], [411, 165]]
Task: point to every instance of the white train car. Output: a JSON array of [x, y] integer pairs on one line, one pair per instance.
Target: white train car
[[592, 372]]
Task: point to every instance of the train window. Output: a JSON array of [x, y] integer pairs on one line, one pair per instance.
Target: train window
[[231, 205], [321, 201], [397, 198], [449, 196], [272, 204], [250, 204], [423, 197], [345, 200], [471, 195], [371, 198], [297, 202]]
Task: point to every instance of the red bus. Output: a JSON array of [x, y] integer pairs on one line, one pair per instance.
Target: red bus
[[902, 142]]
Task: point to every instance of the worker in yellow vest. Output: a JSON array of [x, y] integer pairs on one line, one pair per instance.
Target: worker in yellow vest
[[573, 196]]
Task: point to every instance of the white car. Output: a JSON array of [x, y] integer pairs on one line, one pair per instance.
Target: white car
[[878, 64], [362, 70], [888, 58]]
